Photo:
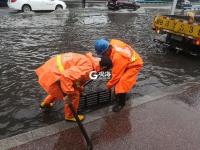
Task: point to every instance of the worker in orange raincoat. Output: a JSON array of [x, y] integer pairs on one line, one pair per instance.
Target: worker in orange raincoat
[[65, 74], [126, 65]]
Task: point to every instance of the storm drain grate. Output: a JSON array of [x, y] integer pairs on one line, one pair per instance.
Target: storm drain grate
[[94, 100]]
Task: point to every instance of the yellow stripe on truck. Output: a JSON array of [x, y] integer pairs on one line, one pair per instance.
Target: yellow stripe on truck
[[177, 26]]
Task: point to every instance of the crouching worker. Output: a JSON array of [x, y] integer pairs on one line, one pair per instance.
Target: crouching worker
[[126, 64], [64, 75]]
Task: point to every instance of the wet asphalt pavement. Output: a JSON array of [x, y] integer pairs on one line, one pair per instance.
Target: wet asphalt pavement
[[27, 40], [167, 123]]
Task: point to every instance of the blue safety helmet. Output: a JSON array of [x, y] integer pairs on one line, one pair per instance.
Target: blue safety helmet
[[101, 46]]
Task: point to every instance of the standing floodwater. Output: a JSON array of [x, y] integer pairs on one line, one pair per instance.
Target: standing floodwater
[[28, 40]]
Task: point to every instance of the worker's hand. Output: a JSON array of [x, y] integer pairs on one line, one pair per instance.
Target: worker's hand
[[78, 84], [81, 89], [66, 98], [109, 86]]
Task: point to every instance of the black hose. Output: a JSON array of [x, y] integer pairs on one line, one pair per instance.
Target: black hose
[[81, 127]]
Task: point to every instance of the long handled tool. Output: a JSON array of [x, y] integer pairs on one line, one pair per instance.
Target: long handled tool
[[83, 131], [81, 127]]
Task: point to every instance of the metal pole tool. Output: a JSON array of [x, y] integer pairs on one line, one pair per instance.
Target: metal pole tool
[[81, 127]]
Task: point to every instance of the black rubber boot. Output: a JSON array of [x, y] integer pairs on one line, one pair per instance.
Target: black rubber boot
[[120, 102], [122, 99]]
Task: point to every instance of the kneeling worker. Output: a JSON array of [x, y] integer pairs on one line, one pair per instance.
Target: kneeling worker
[[65, 74], [126, 63]]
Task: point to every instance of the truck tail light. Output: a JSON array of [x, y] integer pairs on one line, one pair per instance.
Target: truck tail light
[[197, 42]]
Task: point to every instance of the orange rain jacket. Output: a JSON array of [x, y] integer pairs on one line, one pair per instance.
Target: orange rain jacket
[[126, 66], [68, 68]]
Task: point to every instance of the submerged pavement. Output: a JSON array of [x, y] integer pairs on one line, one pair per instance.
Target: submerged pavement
[[168, 119]]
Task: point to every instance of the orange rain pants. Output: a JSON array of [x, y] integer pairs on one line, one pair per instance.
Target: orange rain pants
[[75, 97], [126, 66], [66, 74]]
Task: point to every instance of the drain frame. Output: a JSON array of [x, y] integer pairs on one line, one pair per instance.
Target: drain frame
[[95, 100]]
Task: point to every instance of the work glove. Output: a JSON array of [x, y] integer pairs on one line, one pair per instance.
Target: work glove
[[66, 99], [109, 86], [79, 86]]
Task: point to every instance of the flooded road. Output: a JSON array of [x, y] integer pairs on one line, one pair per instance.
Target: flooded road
[[28, 40]]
